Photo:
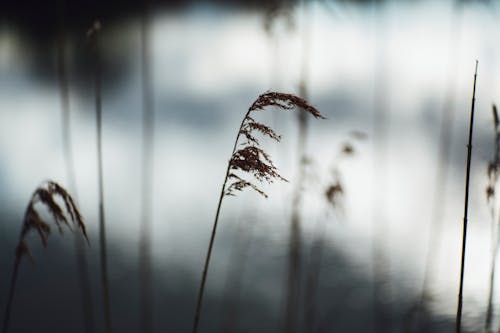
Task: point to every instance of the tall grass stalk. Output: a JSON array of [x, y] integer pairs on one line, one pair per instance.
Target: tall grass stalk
[[81, 255], [292, 318], [94, 35], [458, 327], [493, 169], [250, 159], [46, 195], [236, 272], [145, 245]]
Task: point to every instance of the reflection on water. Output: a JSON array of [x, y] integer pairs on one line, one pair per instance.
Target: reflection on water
[[208, 65]]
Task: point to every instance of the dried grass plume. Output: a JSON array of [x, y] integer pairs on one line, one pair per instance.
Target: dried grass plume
[[251, 158], [47, 195]]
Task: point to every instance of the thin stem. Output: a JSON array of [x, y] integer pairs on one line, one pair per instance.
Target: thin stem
[[295, 242], [495, 228], [235, 275], [466, 207], [81, 256], [145, 245], [212, 236], [313, 274], [8, 307], [489, 311], [102, 225]]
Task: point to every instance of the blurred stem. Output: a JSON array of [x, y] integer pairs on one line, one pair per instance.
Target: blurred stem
[[10, 298], [145, 245], [495, 221], [81, 256], [489, 311], [102, 223], [312, 279], [466, 206], [294, 261], [381, 232]]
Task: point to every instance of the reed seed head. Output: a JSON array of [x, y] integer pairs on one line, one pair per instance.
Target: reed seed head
[[333, 193], [46, 194], [494, 164], [348, 149], [496, 121], [250, 157], [276, 9]]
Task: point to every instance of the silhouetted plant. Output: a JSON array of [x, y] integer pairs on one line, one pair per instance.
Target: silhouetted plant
[[248, 157], [493, 173], [279, 9], [458, 327], [46, 195], [93, 35], [146, 228], [81, 256]]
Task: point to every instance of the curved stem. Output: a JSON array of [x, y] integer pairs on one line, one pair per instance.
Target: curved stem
[[209, 254], [8, 307], [212, 236]]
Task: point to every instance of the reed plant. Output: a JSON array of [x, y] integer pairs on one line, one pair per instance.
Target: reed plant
[[248, 157], [81, 255], [293, 279], [458, 327], [145, 242], [93, 35], [491, 198], [48, 195]]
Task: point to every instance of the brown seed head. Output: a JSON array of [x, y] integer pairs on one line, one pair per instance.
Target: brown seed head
[[251, 158], [496, 121], [334, 192], [347, 149], [490, 192], [46, 194], [285, 102]]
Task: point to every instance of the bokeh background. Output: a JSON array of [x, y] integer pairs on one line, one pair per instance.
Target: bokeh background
[[393, 78]]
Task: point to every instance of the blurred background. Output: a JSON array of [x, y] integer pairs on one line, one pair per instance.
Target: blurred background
[[376, 189]]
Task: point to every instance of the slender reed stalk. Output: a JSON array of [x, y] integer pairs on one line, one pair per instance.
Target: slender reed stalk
[[145, 245], [81, 255], [458, 327], [493, 170], [235, 275], [46, 195], [292, 315], [251, 159], [94, 34]]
